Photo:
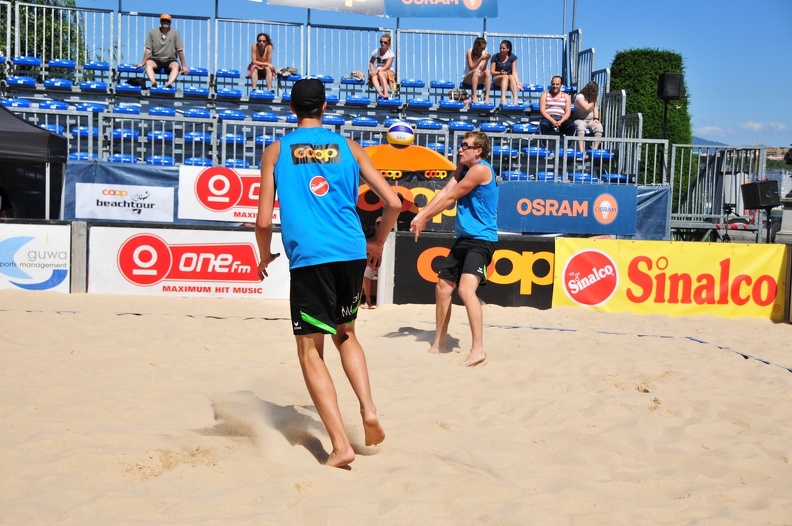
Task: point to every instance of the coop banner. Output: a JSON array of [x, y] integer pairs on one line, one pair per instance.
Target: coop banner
[[220, 194], [730, 280], [442, 8], [521, 272], [194, 263], [569, 208], [35, 257]]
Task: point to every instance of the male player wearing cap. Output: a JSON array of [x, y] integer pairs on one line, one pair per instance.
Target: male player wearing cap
[[163, 44], [317, 174]]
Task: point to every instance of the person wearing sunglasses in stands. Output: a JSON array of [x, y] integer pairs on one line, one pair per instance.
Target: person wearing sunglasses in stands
[[261, 60], [163, 45], [381, 76], [474, 190]]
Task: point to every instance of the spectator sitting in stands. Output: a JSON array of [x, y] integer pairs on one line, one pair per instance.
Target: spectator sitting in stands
[[476, 67], [261, 60], [504, 72], [163, 44], [555, 107], [6, 210], [381, 76], [586, 114]]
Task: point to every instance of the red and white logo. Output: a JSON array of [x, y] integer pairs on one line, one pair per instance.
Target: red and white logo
[[145, 259], [605, 209], [590, 278], [473, 5], [319, 185], [219, 189]]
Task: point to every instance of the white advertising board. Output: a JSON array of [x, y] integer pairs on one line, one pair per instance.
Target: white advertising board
[[35, 257], [194, 263], [220, 194], [124, 202]]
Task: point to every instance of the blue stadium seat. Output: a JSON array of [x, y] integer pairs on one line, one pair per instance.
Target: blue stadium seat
[[226, 73], [525, 128], [514, 175], [461, 126], [429, 124], [83, 156], [332, 99], [513, 108], [364, 121], [162, 90], [125, 134], [198, 113], [160, 135], [389, 103], [58, 83], [482, 106], [197, 161], [334, 120], [93, 85], [162, 111], [26, 61], [96, 65], [365, 143], [53, 128], [128, 89], [582, 177], [199, 137], [600, 154], [129, 68], [15, 103], [124, 158], [261, 95], [57, 105], [547, 176], [536, 151], [21, 81], [160, 160], [533, 88], [195, 91], [263, 140], [504, 151], [229, 93], [127, 109], [198, 72], [286, 96], [534, 106], [439, 147], [448, 104], [265, 116], [231, 115], [441, 84], [493, 127], [291, 118], [358, 100], [390, 120], [614, 178], [84, 131], [233, 138], [236, 163], [570, 153], [61, 63], [419, 103]]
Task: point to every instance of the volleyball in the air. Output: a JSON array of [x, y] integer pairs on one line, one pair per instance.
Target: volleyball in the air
[[400, 134]]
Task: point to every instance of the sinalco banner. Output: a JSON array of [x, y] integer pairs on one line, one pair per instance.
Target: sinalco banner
[[729, 280]]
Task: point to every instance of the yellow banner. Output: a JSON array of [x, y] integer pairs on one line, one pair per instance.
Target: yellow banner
[[730, 280]]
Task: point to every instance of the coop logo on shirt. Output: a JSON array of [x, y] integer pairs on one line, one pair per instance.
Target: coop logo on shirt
[[319, 186], [146, 259], [590, 278], [219, 189], [315, 153]]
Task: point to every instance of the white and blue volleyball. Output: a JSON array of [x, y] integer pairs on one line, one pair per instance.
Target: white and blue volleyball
[[400, 134]]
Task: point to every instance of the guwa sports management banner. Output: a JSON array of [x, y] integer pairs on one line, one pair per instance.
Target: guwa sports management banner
[[402, 8], [729, 280]]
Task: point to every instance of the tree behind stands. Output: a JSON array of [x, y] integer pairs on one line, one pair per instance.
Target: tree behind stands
[[637, 71]]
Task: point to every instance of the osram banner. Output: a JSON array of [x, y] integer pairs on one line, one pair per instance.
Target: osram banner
[[197, 263], [442, 8], [220, 194], [569, 208], [656, 277], [149, 204], [521, 272], [35, 257]]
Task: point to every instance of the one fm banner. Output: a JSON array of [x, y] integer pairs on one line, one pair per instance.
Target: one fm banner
[[35, 257], [197, 263], [730, 280], [220, 194]]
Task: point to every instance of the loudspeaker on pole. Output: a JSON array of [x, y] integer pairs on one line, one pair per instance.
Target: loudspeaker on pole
[[761, 194], [669, 86]]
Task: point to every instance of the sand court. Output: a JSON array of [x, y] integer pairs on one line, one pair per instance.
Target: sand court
[[135, 410]]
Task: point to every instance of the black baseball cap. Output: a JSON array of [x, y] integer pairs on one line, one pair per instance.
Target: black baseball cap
[[308, 94]]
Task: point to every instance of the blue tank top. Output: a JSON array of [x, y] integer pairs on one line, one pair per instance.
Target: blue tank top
[[317, 179], [477, 211]]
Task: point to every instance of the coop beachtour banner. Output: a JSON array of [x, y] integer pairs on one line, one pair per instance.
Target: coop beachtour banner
[[402, 8]]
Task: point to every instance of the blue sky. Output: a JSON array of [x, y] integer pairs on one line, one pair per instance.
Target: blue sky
[[737, 53]]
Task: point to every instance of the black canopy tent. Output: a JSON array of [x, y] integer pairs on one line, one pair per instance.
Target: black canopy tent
[[27, 153]]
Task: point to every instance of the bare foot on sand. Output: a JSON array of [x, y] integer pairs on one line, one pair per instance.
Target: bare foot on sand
[[338, 459], [434, 349], [475, 358], [374, 432]]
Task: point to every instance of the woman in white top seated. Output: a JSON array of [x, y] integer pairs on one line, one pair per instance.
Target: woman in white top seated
[[380, 72], [476, 67]]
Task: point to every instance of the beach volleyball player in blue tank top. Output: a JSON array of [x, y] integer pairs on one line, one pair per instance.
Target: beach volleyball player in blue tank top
[[475, 191], [316, 173]]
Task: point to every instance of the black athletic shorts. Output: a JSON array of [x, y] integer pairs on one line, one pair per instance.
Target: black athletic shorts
[[163, 64], [467, 256], [325, 296]]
